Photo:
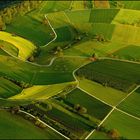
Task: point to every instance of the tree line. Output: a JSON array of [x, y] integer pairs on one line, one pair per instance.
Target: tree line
[[9, 13]]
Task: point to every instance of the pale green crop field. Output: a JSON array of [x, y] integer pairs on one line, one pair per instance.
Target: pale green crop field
[[40, 92], [127, 16], [126, 34], [24, 46], [106, 94]]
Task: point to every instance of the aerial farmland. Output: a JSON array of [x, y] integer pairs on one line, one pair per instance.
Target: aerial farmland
[[69, 69]]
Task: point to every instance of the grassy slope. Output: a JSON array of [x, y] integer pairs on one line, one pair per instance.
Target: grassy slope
[[40, 92], [127, 126], [25, 47], [15, 127], [127, 16]]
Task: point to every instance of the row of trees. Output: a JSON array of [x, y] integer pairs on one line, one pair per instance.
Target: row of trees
[[40, 109], [36, 121], [8, 14], [89, 72]]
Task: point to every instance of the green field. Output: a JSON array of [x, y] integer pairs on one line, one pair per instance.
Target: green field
[[102, 29], [58, 19], [102, 49], [130, 52], [8, 47], [40, 92], [132, 104], [24, 46], [8, 88], [15, 127], [80, 16], [59, 72], [131, 5], [117, 74], [128, 17], [31, 29], [103, 15], [106, 94], [127, 126], [77, 5], [94, 107], [68, 36], [98, 135], [123, 33]]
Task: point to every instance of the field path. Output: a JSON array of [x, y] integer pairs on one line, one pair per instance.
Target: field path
[[44, 123]]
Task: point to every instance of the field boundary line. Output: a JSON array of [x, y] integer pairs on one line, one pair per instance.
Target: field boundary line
[[95, 97], [53, 32], [101, 122], [128, 95], [127, 114], [117, 59], [44, 123]]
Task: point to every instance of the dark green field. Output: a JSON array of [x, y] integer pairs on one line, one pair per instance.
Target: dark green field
[[103, 15], [117, 74], [94, 107], [7, 88]]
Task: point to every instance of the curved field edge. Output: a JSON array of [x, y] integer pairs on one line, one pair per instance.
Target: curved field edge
[[24, 46]]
